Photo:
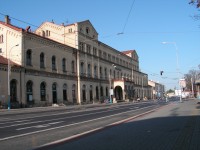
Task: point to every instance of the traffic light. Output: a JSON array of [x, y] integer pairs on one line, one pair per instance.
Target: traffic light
[[161, 72]]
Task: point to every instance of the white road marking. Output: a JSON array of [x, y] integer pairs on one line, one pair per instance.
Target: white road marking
[[7, 126], [58, 127], [40, 126], [96, 129]]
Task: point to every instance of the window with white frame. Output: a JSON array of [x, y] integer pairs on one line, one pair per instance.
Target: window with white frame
[[1, 38]]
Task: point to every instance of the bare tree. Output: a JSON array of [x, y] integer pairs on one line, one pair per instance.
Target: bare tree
[[195, 2], [191, 78]]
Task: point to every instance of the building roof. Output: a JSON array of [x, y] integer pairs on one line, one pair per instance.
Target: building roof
[[11, 26], [4, 61], [128, 51]]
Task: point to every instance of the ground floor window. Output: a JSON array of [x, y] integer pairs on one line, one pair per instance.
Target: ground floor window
[[54, 93], [43, 91], [29, 91], [65, 92], [13, 90]]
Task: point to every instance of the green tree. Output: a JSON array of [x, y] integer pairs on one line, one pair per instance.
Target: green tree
[[170, 91]]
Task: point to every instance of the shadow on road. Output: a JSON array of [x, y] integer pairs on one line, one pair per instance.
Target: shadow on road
[[167, 133]]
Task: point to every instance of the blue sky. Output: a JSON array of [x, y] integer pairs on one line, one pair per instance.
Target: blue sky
[[150, 22]]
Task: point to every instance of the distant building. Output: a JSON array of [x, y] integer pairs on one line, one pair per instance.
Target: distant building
[[157, 89], [66, 64], [197, 84]]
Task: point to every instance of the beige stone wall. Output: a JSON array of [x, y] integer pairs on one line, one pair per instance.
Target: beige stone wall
[[61, 41], [14, 75], [11, 37]]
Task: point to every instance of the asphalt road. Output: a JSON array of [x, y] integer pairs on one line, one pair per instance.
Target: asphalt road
[[31, 129], [173, 127]]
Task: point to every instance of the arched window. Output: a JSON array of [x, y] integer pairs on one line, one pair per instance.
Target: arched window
[[97, 92], [53, 61], [106, 91], [101, 91], [87, 30], [42, 60], [73, 67], [82, 68], [84, 93], [64, 65], [29, 91], [65, 92], [13, 90], [89, 70], [105, 72], [54, 92], [43, 91], [91, 93], [95, 71], [100, 70], [28, 57], [74, 93]]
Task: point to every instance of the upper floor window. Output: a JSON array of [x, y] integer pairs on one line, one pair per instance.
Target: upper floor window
[[95, 71], [100, 53], [120, 61], [88, 49], [109, 57], [1, 38], [70, 30], [117, 60], [113, 58], [47, 33], [42, 60], [100, 71], [73, 66], [87, 30], [104, 55], [95, 51], [81, 46], [64, 65], [89, 70], [28, 57], [53, 61], [81, 30], [82, 68], [105, 71]]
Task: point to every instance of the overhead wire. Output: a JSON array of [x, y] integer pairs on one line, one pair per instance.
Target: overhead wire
[[25, 22], [127, 17]]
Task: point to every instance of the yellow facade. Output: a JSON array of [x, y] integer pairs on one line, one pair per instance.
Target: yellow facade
[[66, 64]]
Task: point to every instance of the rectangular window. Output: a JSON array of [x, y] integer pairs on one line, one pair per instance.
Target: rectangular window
[[94, 51], [70, 30], [104, 55], [88, 49], [109, 57], [81, 46], [1, 38], [100, 53], [47, 33]]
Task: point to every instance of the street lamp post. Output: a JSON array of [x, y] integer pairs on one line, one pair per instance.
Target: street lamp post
[[177, 65], [9, 72]]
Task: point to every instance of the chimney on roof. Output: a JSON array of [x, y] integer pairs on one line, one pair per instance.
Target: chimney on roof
[[7, 19]]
